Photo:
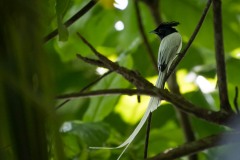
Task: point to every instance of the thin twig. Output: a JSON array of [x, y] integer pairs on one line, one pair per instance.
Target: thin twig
[[178, 101], [71, 20], [102, 58], [62, 104], [236, 100], [183, 53], [91, 61], [107, 92], [144, 37], [219, 55], [197, 146], [85, 88], [147, 135], [95, 81]]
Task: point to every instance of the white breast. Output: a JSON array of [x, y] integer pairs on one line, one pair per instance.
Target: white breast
[[168, 49]]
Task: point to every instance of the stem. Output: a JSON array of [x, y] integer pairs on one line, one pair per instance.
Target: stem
[[183, 53], [219, 53], [197, 146], [147, 135], [235, 101]]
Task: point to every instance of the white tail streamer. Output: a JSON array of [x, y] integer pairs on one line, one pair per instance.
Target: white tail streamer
[[153, 104]]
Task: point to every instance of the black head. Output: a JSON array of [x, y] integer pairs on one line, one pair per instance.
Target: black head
[[165, 29]]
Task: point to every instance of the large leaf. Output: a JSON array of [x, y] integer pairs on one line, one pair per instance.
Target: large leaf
[[93, 134], [79, 136]]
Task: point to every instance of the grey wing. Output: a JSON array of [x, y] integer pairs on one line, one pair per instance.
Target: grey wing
[[169, 47]]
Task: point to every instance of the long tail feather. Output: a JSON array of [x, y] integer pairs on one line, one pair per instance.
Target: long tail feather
[[159, 84], [153, 104], [134, 133]]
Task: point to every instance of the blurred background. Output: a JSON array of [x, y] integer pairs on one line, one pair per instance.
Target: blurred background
[[35, 125]]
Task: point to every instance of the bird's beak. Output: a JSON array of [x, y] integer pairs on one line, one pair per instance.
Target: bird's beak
[[155, 32]]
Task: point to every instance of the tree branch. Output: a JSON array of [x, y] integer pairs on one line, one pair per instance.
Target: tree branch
[[179, 102], [148, 128], [107, 92], [197, 146], [219, 54], [70, 21], [133, 77], [235, 101], [91, 61], [183, 53], [141, 83]]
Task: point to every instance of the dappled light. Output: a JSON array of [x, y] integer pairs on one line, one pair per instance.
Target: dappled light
[[80, 77]]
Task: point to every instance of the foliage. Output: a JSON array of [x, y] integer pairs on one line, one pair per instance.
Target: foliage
[[109, 120]]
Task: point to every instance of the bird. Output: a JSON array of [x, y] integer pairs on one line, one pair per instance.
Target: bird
[[170, 46]]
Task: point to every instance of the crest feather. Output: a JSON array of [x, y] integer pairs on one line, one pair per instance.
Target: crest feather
[[169, 24]]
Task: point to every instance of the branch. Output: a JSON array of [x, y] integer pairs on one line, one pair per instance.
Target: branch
[[144, 37], [183, 53], [141, 83], [219, 53], [91, 61], [70, 21], [148, 128], [107, 92], [133, 77], [189, 108], [179, 102], [197, 146], [235, 101]]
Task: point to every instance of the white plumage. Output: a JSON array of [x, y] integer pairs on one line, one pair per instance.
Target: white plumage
[[169, 47]]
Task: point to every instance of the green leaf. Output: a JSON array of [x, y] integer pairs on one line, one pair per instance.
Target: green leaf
[[83, 135], [72, 146], [232, 67], [169, 134], [93, 134]]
